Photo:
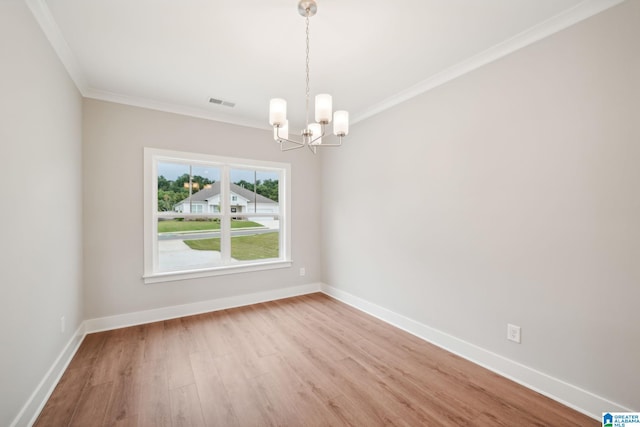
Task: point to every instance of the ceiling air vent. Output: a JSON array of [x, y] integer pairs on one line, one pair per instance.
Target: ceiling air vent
[[221, 102]]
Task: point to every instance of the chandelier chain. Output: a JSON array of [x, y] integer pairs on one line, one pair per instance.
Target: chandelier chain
[[307, 65]]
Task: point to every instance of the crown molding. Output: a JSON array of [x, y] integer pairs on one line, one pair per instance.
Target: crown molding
[[43, 16], [45, 19], [168, 107], [578, 13], [581, 11]]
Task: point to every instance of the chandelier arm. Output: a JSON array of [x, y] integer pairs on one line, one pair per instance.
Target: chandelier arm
[[324, 135], [295, 147], [281, 141], [293, 141], [296, 144], [331, 145]]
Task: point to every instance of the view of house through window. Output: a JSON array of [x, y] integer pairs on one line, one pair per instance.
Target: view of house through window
[[210, 213]]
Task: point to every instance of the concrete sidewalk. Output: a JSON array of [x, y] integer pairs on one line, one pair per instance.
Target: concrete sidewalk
[[175, 253]]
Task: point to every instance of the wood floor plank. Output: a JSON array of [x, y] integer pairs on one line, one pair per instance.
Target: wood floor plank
[[305, 334], [294, 402], [154, 343], [217, 409], [317, 381], [88, 351], [62, 403], [179, 372], [246, 340], [123, 402], [437, 391], [92, 406], [105, 368], [309, 360], [215, 335], [153, 401], [185, 407], [426, 398], [192, 333], [376, 359], [255, 334], [250, 407], [259, 315], [290, 336], [369, 397], [297, 362], [131, 421], [403, 406]]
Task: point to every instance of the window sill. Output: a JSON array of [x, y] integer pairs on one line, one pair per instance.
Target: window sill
[[173, 276]]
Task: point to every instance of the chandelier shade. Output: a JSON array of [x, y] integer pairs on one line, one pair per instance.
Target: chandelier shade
[[341, 123], [323, 108], [277, 111], [313, 133]]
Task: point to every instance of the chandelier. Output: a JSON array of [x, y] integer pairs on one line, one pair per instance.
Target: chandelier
[[313, 133]]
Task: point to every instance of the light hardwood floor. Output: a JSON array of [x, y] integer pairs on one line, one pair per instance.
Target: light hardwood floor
[[303, 361]]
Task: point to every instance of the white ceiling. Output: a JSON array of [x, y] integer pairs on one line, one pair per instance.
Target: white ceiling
[[174, 55]]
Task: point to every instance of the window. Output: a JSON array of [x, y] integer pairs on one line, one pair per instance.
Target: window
[[194, 227]]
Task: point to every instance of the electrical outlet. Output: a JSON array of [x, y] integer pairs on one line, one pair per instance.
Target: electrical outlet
[[513, 333], [63, 325], [302, 271]]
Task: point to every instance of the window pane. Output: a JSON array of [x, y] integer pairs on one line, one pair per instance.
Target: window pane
[[181, 243], [188, 188], [255, 244], [254, 191], [255, 228]]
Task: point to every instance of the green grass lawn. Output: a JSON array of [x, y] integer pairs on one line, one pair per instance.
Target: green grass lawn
[[173, 226], [258, 246]]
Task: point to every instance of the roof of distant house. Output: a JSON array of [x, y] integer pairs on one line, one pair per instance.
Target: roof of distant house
[[214, 190]]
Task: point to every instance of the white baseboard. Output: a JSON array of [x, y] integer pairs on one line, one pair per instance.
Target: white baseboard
[[30, 411], [565, 393], [172, 312], [572, 396]]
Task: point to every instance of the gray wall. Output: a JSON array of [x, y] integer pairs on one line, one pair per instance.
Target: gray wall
[[507, 195], [114, 136], [40, 253]]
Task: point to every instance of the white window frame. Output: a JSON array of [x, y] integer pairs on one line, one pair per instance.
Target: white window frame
[[152, 156]]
